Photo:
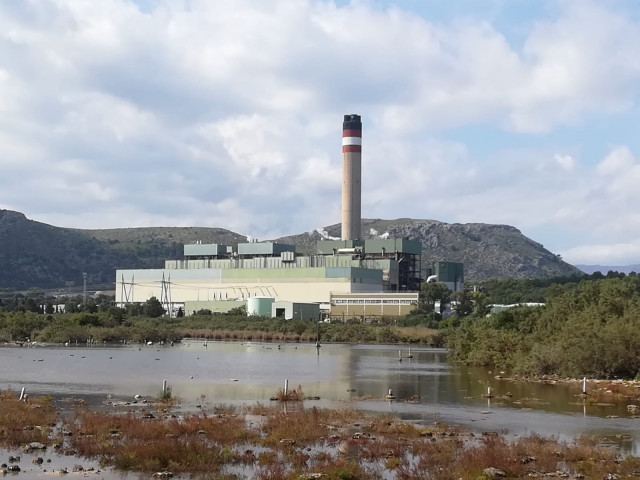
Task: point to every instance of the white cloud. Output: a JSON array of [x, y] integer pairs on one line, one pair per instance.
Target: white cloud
[[619, 161], [228, 114], [567, 162], [604, 254]]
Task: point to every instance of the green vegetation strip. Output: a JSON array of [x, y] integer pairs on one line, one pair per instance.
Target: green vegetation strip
[[591, 328]]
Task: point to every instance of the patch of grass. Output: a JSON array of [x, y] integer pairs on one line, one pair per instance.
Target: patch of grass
[[304, 426], [605, 390], [286, 443], [129, 442], [25, 422], [293, 395]]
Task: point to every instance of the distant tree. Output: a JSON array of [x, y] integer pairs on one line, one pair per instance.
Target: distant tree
[[88, 319], [88, 305], [180, 313], [134, 309], [116, 313], [240, 311], [153, 308], [104, 302], [48, 308], [430, 293], [71, 306], [463, 303], [481, 304]]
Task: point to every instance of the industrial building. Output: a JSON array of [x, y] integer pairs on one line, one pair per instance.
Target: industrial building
[[211, 274], [372, 306], [380, 272], [449, 273]]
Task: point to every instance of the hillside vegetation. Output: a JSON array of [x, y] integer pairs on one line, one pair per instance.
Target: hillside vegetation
[[34, 254]]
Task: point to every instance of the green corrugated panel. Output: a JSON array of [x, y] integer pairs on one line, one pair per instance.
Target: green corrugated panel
[[262, 273], [264, 248], [327, 247], [204, 249], [357, 273], [392, 245], [449, 271]]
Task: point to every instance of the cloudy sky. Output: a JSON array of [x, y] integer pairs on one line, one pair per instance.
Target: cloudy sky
[[228, 113]]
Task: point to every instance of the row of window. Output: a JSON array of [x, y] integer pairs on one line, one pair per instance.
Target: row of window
[[373, 301]]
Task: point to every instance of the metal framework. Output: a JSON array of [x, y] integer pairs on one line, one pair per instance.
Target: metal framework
[[126, 295], [165, 295]]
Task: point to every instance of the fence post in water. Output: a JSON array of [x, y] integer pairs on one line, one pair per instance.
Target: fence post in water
[[584, 386], [489, 394], [21, 394], [286, 385], [400, 355], [164, 387]]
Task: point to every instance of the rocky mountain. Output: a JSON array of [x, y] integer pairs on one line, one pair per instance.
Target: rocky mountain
[[487, 251], [34, 254]]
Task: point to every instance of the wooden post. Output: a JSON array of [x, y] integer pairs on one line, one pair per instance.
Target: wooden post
[[584, 386], [286, 385], [21, 394], [164, 387], [489, 394]]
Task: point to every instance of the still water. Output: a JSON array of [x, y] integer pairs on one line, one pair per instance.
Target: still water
[[357, 376]]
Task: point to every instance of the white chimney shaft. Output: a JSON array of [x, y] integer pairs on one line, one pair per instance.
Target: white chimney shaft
[[351, 177]]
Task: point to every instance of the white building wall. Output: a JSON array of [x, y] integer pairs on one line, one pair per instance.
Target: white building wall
[[140, 285]]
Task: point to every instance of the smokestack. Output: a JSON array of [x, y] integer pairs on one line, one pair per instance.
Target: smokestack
[[351, 176]]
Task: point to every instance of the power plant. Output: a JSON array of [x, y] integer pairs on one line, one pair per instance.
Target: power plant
[[348, 278]]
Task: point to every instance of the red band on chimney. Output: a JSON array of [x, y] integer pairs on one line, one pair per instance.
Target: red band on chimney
[[351, 149]]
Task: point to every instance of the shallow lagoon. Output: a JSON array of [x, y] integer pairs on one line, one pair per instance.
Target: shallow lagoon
[[359, 376]]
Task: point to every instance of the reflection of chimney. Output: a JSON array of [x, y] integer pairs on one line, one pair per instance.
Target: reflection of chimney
[[351, 176]]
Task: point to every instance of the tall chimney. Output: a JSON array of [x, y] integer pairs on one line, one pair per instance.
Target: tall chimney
[[351, 176]]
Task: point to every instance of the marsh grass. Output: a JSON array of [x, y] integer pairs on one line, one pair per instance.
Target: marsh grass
[[304, 426], [528, 456], [606, 391], [129, 442], [292, 441], [293, 395], [248, 335], [25, 422]]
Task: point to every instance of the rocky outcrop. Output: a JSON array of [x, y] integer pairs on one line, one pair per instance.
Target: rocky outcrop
[[487, 251]]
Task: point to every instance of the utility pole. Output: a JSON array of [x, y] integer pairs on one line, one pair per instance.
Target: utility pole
[[84, 288]]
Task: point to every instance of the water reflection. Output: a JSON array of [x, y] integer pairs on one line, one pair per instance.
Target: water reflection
[[426, 386]]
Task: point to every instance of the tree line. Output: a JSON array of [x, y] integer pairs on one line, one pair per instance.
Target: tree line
[[586, 328]]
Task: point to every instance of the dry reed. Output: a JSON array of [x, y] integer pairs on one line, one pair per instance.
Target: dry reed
[[336, 443], [23, 422]]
